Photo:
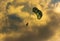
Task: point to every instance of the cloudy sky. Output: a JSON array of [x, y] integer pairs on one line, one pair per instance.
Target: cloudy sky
[[19, 23]]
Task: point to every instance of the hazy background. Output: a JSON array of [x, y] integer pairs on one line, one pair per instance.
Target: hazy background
[[15, 14]]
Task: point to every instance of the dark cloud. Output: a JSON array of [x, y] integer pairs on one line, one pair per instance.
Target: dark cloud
[[28, 36], [9, 29], [43, 34], [11, 24], [9, 39], [54, 1], [14, 17]]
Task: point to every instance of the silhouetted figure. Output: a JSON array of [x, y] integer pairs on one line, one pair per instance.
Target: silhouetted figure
[[37, 12], [26, 24]]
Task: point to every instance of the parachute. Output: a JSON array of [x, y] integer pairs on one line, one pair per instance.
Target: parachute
[[37, 12]]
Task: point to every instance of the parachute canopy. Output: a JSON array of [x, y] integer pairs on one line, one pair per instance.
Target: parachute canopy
[[37, 12]]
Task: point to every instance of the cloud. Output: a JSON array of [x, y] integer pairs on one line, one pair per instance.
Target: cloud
[[14, 18], [37, 30], [12, 24], [57, 7], [54, 1]]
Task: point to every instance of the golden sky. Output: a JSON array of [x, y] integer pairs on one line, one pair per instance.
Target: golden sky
[[15, 14]]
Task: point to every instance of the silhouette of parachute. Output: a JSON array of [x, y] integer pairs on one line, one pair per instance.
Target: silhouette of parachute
[[37, 12]]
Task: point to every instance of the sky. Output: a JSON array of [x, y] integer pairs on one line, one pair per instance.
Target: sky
[[19, 23]]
